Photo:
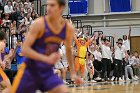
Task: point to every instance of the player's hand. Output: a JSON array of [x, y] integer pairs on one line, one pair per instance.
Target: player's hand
[[53, 58], [77, 79], [2, 65]]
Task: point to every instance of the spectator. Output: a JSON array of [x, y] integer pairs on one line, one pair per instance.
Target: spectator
[[107, 56], [25, 7], [34, 15], [33, 8], [90, 67], [29, 10], [6, 21], [8, 8], [20, 5], [136, 64], [4, 2], [28, 3], [15, 2], [118, 62], [13, 27], [21, 14], [27, 19], [82, 46], [126, 40], [98, 57], [19, 56], [128, 68]]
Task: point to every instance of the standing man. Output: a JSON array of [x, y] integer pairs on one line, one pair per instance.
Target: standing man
[[82, 46], [106, 58], [118, 60], [126, 40], [41, 51]]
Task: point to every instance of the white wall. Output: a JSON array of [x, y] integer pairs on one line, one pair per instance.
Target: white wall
[[136, 5], [119, 31], [97, 6]]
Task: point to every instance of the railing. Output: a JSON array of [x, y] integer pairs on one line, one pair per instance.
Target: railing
[[87, 28], [111, 39], [43, 8], [15, 38], [10, 38], [67, 16], [38, 6], [77, 23]]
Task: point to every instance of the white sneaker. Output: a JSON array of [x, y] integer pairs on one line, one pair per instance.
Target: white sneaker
[[98, 78], [112, 79], [127, 79], [120, 79], [123, 78], [65, 82], [93, 81], [136, 77]]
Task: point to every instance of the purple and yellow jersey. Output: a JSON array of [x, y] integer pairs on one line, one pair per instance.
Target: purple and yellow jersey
[[47, 44], [34, 75]]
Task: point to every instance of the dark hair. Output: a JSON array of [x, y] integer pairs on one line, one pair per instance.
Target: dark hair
[[8, 2], [119, 43], [135, 51], [61, 2], [124, 36], [106, 40], [120, 39], [89, 54], [2, 35]]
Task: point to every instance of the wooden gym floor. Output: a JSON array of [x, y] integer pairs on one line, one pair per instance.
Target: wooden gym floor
[[107, 87]]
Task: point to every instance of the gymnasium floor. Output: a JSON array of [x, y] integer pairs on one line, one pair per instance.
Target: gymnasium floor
[[108, 87]]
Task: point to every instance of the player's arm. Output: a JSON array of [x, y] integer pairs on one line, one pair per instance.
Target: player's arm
[[68, 44], [69, 54], [2, 46], [34, 33]]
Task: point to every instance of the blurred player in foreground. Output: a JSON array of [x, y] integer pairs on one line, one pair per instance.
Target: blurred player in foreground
[[41, 51], [4, 81]]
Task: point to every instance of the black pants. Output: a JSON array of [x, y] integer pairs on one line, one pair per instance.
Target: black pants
[[106, 67], [98, 68], [118, 68], [97, 65], [123, 67]]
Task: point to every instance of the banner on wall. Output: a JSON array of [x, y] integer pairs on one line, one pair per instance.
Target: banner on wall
[[78, 6], [120, 5]]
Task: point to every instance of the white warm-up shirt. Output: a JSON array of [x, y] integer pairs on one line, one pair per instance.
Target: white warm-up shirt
[[106, 51], [126, 43], [118, 53]]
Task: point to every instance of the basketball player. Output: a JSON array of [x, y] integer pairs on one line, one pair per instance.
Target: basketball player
[[4, 81], [41, 51]]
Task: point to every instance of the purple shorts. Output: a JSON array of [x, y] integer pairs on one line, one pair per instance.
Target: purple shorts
[[28, 81]]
